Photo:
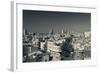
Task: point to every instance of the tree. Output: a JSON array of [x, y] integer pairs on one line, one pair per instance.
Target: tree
[[67, 48]]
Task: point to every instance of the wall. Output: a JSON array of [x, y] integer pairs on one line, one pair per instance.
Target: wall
[[5, 40]]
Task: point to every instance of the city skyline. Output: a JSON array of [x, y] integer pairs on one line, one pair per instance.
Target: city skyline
[[43, 21], [44, 47]]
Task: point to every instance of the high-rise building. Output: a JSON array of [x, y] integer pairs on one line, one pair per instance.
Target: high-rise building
[[51, 31], [25, 32]]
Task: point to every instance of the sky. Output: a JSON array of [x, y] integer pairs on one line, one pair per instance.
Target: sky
[[43, 21]]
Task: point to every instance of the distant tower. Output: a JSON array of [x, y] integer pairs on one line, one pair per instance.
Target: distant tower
[[51, 31], [25, 32], [62, 31], [65, 30]]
